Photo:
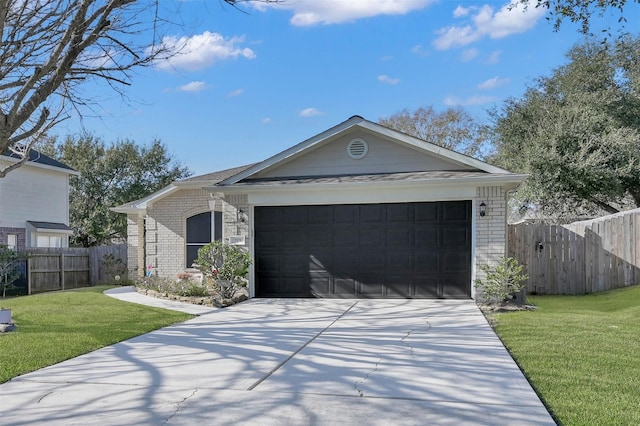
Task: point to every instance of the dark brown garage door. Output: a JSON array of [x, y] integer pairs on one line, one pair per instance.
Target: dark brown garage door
[[408, 250]]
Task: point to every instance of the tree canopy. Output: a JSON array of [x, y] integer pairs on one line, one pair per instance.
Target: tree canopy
[[111, 174], [452, 128], [50, 49], [580, 11], [577, 132]]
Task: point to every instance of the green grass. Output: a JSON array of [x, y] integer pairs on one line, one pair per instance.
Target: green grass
[[53, 327], [581, 354]]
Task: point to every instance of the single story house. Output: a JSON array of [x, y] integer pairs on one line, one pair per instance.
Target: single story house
[[34, 202], [359, 210]]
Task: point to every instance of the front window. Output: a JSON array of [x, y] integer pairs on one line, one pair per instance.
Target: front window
[[201, 230]]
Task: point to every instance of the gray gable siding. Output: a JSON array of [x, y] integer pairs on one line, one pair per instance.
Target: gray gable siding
[[332, 159]]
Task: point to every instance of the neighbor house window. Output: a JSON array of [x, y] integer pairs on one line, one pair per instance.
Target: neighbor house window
[[12, 241], [201, 230], [44, 240]]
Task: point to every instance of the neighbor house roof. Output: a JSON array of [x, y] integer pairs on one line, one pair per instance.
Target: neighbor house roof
[[40, 159]]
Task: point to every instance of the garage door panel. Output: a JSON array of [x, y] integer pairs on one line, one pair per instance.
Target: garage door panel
[[344, 287], [426, 262], [371, 237], [267, 239], [398, 287], [455, 211], [400, 213], [268, 263], [454, 261], [371, 288], [427, 236], [425, 287], [426, 212], [372, 213], [401, 236], [454, 237], [320, 215], [345, 237], [400, 261], [377, 250], [345, 214]]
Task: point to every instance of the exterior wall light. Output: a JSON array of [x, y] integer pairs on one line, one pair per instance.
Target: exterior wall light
[[483, 209], [241, 216]]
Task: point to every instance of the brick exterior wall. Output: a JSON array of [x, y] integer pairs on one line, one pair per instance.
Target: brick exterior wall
[[162, 244], [20, 232], [491, 230]]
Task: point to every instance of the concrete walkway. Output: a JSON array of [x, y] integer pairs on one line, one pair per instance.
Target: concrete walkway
[[129, 294], [291, 362]]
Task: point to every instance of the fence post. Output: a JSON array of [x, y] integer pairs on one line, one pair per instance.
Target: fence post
[[62, 269]]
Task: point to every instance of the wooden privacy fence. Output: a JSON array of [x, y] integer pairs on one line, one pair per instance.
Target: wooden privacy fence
[[50, 269], [582, 257]]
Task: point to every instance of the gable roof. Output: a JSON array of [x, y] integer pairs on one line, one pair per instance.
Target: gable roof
[[358, 122], [197, 182], [40, 159]]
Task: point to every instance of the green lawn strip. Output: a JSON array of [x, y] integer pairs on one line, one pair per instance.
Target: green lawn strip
[[582, 354], [53, 327]]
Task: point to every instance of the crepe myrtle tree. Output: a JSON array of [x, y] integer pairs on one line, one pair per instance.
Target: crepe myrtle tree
[[50, 49]]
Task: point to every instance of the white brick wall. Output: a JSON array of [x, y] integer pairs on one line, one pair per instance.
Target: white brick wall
[[491, 230], [166, 228]]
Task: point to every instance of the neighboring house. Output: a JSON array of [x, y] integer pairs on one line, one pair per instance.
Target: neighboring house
[[34, 203], [359, 210]]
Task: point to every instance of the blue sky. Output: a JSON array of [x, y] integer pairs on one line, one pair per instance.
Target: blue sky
[[249, 85]]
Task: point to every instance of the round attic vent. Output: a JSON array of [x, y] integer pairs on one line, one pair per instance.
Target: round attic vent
[[357, 148]]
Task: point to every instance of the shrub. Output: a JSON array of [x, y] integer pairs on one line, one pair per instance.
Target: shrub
[[9, 268], [182, 287], [114, 268], [225, 266], [501, 281]]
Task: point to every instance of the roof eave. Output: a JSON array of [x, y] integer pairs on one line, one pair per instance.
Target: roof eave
[[510, 181], [41, 166]]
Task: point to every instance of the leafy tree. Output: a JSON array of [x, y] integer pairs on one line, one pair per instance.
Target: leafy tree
[[51, 48], [453, 129], [577, 131], [579, 11], [111, 174]]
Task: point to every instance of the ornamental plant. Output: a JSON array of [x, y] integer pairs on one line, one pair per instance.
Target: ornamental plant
[[9, 268], [225, 266], [502, 280]]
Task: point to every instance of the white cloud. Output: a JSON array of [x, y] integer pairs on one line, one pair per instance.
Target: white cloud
[[266, 120], [512, 18], [193, 87], [469, 101], [493, 83], [310, 112], [202, 50], [460, 12], [315, 12], [468, 54], [383, 78], [386, 58], [419, 50], [494, 58], [235, 93]]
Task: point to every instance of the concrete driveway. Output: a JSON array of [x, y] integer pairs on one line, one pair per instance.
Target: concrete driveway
[[291, 362]]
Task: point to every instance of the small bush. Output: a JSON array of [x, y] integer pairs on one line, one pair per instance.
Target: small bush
[[501, 281], [184, 287], [225, 266]]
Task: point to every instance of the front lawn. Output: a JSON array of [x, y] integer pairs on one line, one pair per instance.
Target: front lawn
[[582, 354], [53, 327]]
